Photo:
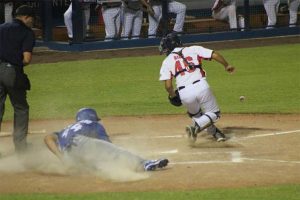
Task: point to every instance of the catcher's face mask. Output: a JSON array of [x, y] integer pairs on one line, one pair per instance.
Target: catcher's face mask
[[168, 43]]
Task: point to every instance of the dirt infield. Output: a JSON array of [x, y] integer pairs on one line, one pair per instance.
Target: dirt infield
[[262, 150]]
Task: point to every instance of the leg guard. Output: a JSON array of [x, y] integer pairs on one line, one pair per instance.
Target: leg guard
[[206, 120]]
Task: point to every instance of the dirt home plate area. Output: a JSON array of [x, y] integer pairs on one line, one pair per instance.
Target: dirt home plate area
[[261, 150]]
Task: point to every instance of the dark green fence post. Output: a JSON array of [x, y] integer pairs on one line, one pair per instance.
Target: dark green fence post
[[47, 19], [77, 20]]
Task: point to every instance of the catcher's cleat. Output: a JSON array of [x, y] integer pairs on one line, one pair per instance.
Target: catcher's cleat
[[191, 133], [152, 165], [219, 136]]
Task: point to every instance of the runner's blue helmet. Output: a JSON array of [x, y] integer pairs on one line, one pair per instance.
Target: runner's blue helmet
[[87, 114]]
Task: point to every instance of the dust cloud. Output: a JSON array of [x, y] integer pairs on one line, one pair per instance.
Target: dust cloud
[[40, 160]]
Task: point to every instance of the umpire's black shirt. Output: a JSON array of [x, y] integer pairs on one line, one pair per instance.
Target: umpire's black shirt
[[15, 38]]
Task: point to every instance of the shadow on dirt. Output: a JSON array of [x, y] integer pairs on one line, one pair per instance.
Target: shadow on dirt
[[245, 131]]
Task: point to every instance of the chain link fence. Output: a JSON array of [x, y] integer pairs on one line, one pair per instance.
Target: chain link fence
[[199, 17]]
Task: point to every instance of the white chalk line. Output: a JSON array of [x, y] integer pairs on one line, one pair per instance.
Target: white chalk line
[[269, 134], [236, 157], [270, 160], [7, 133], [239, 160], [234, 138], [175, 151], [199, 162]]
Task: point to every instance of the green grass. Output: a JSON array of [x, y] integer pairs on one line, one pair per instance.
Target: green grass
[[290, 192], [268, 77]]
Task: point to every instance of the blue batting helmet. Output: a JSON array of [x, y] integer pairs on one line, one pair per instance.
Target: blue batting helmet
[[168, 43], [87, 114]]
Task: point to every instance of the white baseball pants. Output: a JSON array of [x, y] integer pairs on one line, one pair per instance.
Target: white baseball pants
[[198, 97], [132, 23], [68, 19], [228, 14], [8, 9], [112, 22], [293, 10], [174, 7], [271, 7]]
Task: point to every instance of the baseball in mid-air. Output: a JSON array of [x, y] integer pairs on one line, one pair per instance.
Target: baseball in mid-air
[[242, 98]]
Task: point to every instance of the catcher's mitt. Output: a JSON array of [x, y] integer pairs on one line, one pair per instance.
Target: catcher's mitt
[[175, 101]]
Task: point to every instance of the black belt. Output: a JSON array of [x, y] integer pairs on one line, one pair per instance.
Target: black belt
[[182, 87], [111, 6]]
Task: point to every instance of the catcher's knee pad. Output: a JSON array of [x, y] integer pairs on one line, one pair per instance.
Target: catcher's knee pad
[[206, 120], [199, 113]]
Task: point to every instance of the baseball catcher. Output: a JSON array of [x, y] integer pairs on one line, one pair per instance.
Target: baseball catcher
[[185, 65]]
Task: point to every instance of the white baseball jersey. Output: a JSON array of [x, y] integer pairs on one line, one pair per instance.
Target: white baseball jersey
[[173, 64]]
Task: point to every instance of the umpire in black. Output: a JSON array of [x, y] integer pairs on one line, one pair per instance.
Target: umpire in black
[[16, 45]]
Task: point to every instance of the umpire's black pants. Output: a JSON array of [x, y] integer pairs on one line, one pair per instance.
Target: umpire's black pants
[[17, 96]]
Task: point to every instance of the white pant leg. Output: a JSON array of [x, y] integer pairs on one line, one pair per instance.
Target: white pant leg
[[271, 7], [228, 14], [68, 21], [101, 155], [127, 23], [232, 16], [8, 8], [87, 15], [154, 22], [209, 106], [196, 97], [118, 20], [137, 25], [293, 9], [179, 9], [111, 18]]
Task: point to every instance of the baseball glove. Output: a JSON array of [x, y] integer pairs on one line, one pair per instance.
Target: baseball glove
[[175, 101]]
